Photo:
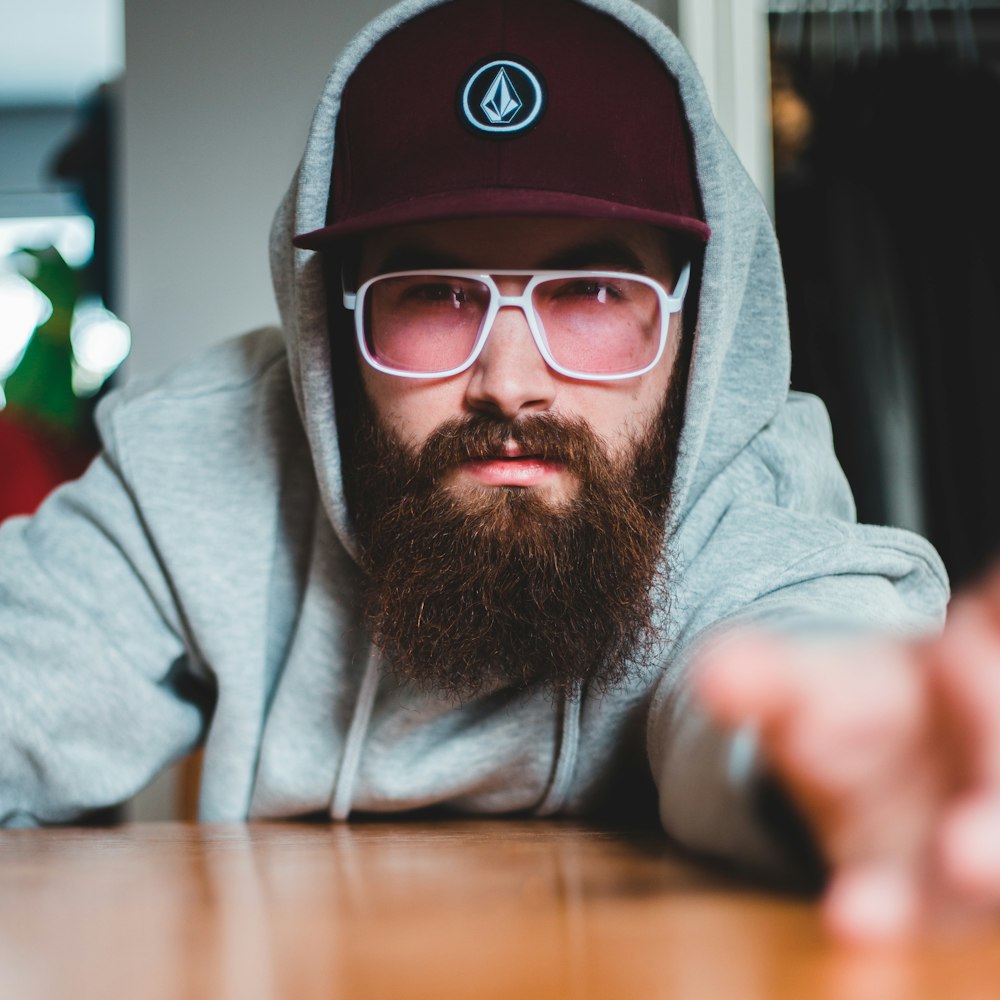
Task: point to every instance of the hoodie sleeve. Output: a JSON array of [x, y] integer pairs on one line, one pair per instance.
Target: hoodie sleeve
[[95, 695], [716, 800], [715, 796]]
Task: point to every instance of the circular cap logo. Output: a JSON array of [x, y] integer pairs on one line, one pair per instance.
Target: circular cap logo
[[502, 97]]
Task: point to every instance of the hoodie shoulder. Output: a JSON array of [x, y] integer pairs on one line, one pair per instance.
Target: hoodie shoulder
[[794, 455], [231, 365], [223, 418]]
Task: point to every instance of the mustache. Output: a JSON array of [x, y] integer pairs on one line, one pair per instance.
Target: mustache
[[569, 441]]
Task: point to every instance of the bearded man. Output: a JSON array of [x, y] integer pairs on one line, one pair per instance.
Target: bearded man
[[510, 519], [520, 467]]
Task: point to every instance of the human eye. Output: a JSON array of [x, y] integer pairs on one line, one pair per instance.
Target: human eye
[[589, 288], [433, 291]]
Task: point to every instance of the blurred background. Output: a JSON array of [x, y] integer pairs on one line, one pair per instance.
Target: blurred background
[[143, 152]]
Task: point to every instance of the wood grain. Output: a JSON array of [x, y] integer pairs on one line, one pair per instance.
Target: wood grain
[[442, 909]]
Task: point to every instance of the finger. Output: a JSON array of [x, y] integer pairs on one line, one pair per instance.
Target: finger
[[987, 591], [743, 678], [874, 903], [966, 664], [843, 725], [970, 850], [838, 717], [966, 661]]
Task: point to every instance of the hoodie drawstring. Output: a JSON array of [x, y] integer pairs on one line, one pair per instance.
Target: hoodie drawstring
[[562, 774], [569, 745], [343, 791]]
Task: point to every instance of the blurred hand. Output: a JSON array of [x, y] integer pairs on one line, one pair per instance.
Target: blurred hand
[[891, 752]]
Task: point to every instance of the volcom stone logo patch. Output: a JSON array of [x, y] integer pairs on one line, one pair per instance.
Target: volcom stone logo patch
[[502, 98]]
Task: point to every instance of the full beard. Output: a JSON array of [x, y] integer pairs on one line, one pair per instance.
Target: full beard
[[470, 592]]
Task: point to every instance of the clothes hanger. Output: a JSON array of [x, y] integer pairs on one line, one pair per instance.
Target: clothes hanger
[[965, 31], [822, 32], [790, 28], [889, 26], [924, 34], [848, 42], [877, 26]]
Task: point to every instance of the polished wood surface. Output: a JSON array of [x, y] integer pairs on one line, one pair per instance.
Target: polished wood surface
[[442, 909]]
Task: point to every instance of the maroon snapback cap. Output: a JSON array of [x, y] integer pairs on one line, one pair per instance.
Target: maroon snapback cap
[[510, 107]]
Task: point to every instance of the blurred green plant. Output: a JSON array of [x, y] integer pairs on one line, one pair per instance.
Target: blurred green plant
[[40, 388]]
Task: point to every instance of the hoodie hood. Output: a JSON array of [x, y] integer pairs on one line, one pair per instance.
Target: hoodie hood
[[740, 361]]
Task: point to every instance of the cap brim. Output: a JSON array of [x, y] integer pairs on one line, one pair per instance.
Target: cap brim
[[492, 202]]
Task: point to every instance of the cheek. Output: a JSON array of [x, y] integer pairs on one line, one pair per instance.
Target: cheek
[[624, 409], [652, 393], [412, 408]]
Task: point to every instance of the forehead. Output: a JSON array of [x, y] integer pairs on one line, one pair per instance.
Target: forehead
[[518, 243]]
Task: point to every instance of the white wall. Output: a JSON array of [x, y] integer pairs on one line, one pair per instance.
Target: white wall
[[218, 97], [728, 40], [217, 100]]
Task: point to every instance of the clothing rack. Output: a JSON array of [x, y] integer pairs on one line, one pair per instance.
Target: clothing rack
[[881, 108], [850, 29], [875, 6]]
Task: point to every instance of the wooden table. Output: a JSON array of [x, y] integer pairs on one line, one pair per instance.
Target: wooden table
[[432, 909]]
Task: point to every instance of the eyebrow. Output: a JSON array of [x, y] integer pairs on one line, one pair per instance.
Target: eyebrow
[[601, 253], [610, 253], [418, 258]]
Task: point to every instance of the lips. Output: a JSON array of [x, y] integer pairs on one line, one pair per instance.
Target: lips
[[512, 469], [531, 451]]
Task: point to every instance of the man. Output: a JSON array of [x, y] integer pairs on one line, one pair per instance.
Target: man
[[523, 457]]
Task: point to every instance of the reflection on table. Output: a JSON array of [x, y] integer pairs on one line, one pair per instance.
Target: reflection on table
[[430, 909]]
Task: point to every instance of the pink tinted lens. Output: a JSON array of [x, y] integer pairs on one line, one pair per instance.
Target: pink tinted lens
[[424, 323], [600, 326]]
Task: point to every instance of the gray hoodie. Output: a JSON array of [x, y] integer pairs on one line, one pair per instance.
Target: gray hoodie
[[199, 583]]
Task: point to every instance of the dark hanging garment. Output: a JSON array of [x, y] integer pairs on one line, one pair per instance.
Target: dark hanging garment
[[890, 233]]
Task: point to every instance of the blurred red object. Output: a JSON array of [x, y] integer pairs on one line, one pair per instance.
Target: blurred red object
[[33, 462]]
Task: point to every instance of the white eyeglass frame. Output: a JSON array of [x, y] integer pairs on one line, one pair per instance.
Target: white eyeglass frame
[[670, 303]]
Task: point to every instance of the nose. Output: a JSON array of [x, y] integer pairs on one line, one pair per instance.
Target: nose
[[510, 376]]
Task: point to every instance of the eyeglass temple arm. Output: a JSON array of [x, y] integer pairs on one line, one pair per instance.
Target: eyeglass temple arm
[[680, 289], [350, 298]]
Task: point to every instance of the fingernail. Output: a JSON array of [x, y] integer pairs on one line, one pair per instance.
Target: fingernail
[[972, 849], [874, 905]]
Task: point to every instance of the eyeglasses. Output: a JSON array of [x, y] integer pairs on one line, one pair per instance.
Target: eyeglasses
[[591, 325]]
